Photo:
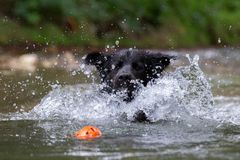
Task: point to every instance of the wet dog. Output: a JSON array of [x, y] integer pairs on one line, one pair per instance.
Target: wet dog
[[127, 70]]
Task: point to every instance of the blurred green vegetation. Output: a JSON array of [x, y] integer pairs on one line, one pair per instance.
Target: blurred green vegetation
[[140, 23]]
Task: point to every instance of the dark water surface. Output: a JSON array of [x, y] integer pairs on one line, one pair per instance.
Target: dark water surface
[[36, 124]]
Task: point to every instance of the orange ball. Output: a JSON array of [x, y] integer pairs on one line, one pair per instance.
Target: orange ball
[[88, 132]]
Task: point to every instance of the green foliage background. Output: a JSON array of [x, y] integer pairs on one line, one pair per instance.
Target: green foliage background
[[140, 23]]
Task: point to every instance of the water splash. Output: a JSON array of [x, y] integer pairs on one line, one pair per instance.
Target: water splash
[[183, 95], [178, 95]]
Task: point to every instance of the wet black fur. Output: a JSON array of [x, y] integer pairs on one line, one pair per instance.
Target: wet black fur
[[121, 70]]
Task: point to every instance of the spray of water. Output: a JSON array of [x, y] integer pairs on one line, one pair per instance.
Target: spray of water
[[182, 95]]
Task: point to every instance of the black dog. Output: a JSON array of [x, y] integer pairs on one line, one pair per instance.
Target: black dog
[[125, 70]]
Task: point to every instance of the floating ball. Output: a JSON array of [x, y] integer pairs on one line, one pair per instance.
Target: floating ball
[[88, 132]]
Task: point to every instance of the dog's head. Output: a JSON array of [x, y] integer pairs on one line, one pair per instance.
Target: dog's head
[[125, 69]]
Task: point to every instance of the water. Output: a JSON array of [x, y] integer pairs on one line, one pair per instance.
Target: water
[[193, 116]]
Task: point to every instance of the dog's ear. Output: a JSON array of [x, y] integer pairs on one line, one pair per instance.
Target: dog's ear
[[97, 59], [158, 61]]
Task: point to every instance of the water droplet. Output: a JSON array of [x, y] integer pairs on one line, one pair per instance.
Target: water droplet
[[33, 93], [74, 73], [117, 42]]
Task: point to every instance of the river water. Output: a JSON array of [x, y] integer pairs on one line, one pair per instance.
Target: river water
[[194, 111]]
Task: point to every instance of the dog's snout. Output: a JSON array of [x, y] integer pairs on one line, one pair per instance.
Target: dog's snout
[[124, 74]]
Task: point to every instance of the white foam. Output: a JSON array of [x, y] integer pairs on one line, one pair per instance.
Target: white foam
[[183, 95]]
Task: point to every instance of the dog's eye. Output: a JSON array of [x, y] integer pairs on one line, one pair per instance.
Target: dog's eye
[[119, 65], [137, 66]]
